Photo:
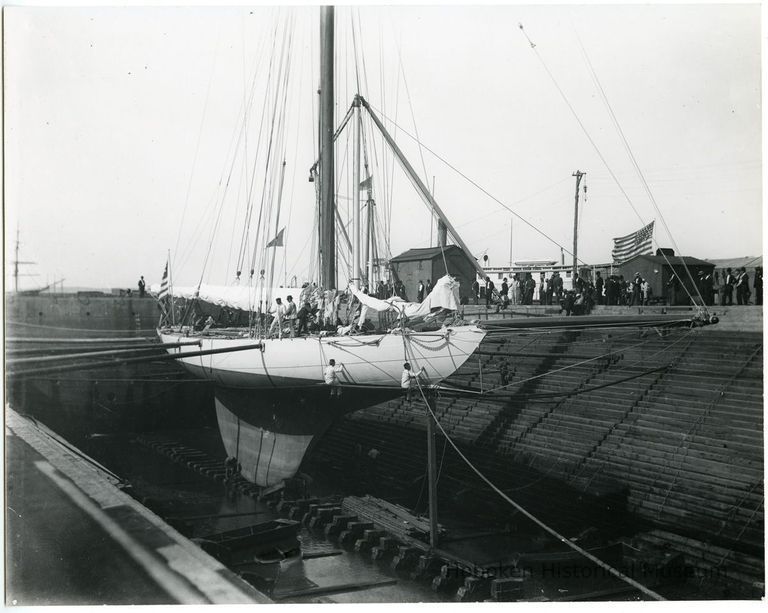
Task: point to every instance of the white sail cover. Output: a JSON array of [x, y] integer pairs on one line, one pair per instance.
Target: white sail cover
[[233, 296], [445, 295]]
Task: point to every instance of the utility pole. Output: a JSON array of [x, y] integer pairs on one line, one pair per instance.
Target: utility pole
[[16, 263], [575, 273]]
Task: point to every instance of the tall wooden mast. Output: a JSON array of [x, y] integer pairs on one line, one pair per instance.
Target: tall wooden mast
[[327, 236]]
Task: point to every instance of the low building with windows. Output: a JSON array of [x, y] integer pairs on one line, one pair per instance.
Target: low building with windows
[[548, 267]]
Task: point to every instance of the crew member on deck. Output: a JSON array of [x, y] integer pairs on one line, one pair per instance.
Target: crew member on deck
[[303, 315], [290, 315], [277, 322]]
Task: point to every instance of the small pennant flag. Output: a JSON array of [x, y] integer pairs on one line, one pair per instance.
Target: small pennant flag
[[365, 183], [278, 240], [637, 243], [163, 284]]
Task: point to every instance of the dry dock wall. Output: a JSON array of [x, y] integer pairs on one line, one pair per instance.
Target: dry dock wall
[[611, 429], [90, 315]]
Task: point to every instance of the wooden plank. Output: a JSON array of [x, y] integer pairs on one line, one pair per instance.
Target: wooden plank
[[334, 589]]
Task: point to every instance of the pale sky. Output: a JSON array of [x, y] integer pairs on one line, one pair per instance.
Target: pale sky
[[119, 127]]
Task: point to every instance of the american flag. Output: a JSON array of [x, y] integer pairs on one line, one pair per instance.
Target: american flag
[[164, 284], [637, 243]]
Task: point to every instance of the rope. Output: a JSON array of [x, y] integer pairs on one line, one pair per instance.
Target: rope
[[636, 166], [615, 572], [599, 153], [477, 185], [199, 138]]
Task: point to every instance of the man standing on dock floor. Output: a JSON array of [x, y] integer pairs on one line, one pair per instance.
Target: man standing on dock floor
[[142, 287]]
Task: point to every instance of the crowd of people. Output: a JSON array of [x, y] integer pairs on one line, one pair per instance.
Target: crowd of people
[[733, 282], [387, 289], [521, 289]]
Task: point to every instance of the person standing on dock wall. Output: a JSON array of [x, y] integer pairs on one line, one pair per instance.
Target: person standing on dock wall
[[514, 289], [142, 287], [504, 294], [758, 285], [557, 285], [489, 288], [598, 288], [637, 285], [742, 287], [726, 290]]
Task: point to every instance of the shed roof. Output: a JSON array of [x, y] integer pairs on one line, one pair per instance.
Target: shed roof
[[674, 260], [749, 261], [425, 253]]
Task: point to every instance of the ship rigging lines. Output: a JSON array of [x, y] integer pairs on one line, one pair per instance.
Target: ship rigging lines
[[551, 531], [627, 147]]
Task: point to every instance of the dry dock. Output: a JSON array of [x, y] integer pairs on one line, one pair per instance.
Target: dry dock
[[636, 441]]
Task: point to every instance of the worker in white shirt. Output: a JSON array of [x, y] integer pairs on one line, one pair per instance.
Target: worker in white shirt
[[408, 380], [277, 322], [332, 377], [290, 315]]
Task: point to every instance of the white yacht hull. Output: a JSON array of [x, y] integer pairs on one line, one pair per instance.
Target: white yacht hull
[[272, 402], [367, 360]]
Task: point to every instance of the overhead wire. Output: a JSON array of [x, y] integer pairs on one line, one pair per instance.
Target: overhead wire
[[592, 141], [199, 139], [479, 187], [246, 228], [636, 166]]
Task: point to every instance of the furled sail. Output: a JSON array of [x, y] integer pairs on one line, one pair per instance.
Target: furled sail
[[444, 295], [242, 297]]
